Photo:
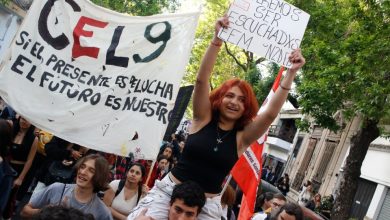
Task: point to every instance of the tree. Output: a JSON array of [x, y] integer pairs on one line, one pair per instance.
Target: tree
[[347, 47], [4, 2], [225, 67], [139, 8]]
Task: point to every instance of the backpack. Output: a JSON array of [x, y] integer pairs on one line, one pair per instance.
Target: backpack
[[120, 187], [58, 172]]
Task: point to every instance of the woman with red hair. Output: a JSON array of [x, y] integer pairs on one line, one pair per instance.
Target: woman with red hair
[[224, 125]]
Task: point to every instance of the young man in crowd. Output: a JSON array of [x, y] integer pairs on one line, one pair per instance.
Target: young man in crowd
[[278, 201], [158, 172], [92, 177], [289, 211], [187, 201]]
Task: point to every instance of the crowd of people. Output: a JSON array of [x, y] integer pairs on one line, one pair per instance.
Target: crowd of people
[[24, 168], [306, 198], [188, 180]]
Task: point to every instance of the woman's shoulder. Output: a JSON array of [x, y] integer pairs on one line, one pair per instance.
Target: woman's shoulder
[[114, 184], [197, 125]]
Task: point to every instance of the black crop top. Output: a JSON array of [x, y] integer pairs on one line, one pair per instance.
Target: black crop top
[[206, 162], [20, 152]]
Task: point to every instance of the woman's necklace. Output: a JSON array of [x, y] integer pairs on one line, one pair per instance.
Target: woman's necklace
[[220, 139]]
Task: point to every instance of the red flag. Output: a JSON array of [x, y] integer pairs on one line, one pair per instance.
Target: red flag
[[245, 212], [247, 171]]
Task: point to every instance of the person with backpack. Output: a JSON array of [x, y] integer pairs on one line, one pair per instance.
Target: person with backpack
[[92, 177], [57, 165], [123, 195]]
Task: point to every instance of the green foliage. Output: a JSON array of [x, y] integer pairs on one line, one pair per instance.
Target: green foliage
[[347, 48], [225, 67], [303, 124], [262, 85], [139, 7], [4, 2], [327, 203]]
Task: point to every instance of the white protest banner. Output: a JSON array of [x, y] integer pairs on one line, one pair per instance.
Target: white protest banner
[[268, 28], [95, 77]]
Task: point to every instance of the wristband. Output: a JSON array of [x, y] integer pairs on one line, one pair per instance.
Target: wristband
[[284, 88], [216, 44]]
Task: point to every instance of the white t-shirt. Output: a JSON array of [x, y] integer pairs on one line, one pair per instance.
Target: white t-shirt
[[304, 197], [224, 211], [259, 216], [119, 203]]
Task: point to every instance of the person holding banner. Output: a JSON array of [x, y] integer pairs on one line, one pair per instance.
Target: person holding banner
[[224, 125]]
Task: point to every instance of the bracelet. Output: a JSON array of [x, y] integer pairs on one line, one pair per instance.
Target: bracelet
[[284, 88], [216, 44]]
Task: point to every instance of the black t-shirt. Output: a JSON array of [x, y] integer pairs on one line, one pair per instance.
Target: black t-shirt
[[204, 160]]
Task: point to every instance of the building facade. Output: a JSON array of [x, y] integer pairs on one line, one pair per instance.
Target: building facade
[[281, 136], [320, 158]]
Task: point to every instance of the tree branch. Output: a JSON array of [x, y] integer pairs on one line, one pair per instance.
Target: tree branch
[[261, 59], [235, 58]]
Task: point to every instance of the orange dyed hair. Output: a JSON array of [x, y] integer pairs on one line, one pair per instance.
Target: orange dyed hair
[[250, 103]]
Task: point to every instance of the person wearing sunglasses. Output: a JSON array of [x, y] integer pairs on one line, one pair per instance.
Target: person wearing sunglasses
[[277, 201]]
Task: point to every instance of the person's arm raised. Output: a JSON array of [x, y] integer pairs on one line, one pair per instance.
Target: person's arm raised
[[201, 103], [261, 122]]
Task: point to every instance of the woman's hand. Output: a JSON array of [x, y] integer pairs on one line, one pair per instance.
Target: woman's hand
[[17, 182], [145, 189], [75, 154], [222, 22], [297, 60]]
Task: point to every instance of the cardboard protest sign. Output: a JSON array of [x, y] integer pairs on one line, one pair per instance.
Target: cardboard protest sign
[[95, 77], [268, 28]]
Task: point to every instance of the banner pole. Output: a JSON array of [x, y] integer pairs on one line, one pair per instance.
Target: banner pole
[[226, 184]]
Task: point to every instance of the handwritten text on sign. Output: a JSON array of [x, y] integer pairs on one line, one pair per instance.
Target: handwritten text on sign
[[98, 78], [269, 28]]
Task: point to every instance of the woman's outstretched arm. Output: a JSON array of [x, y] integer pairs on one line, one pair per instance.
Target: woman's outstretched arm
[[260, 124], [201, 103]]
